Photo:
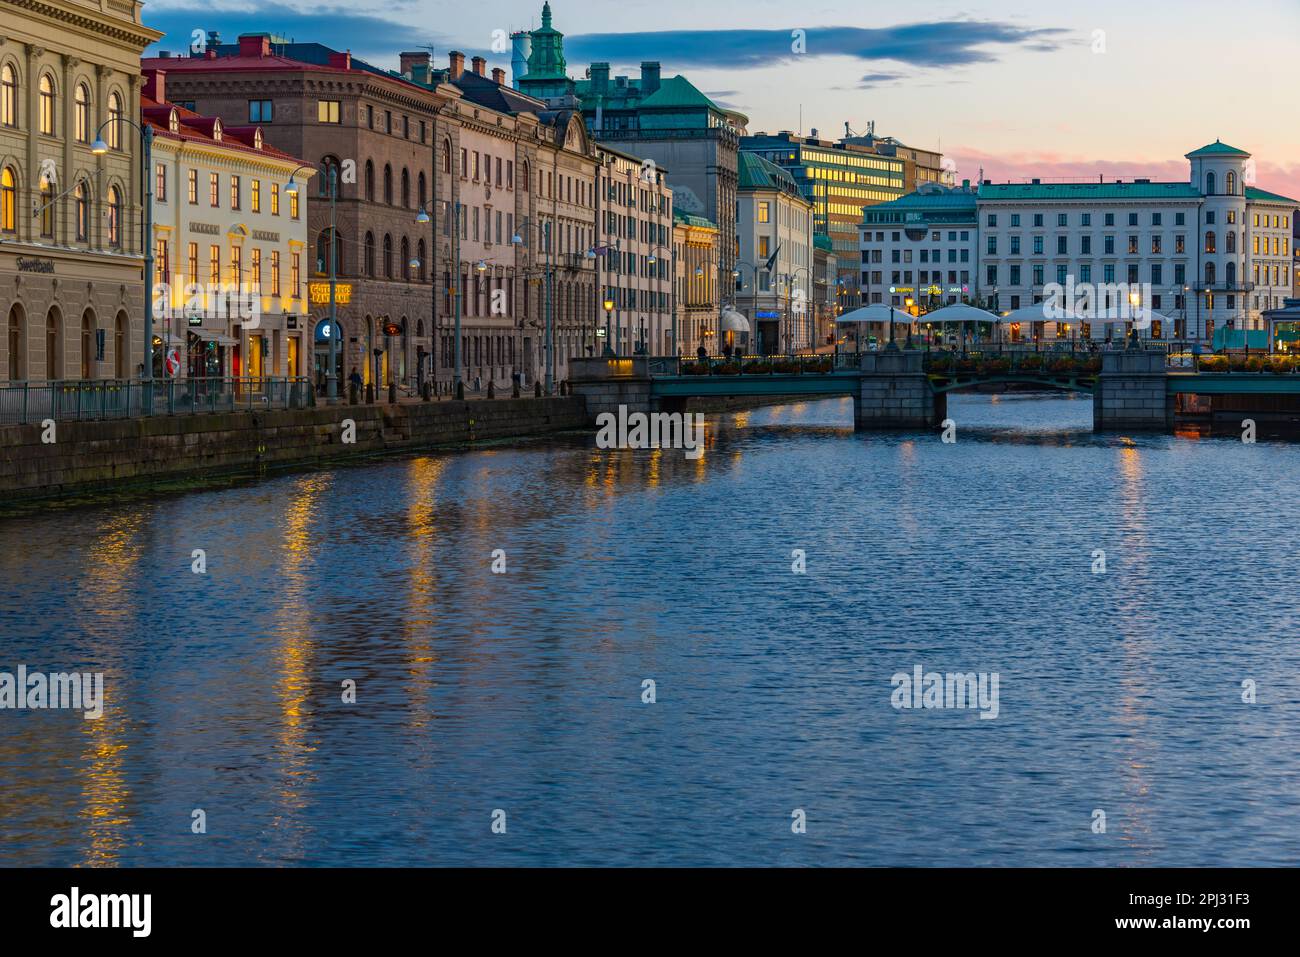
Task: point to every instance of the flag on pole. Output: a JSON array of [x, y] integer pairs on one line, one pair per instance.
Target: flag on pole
[[771, 260]]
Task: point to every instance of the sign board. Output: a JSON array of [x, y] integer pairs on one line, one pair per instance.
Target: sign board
[[392, 329], [319, 293]]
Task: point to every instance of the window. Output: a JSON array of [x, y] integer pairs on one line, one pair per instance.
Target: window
[[388, 184], [115, 121], [255, 199], [406, 189], [388, 256], [192, 186], [234, 192], [81, 196], [1209, 242], [327, 111], [81, 113], [368, 254], [161, 268], [257, 270], [160, 182], [46, 105], [764, 213], [47, 208], [992, 220], [275, 199], [8, 96], [295, 274], [464, 162], [259, 111], [293, 205], [114, 217], [214, 264], [275, 272], [237, 264], [214, 190], [192, 262]]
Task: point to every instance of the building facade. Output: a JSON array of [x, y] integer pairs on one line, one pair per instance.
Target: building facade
[[774, 287], [697, 301], [635, 244], [1209, 254], [230, 247], [71, 276]]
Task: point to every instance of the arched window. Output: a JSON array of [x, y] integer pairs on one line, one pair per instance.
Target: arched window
[[1209, 242], [82, 198], [323, 243], [47, 104], [527, 177], [82, 98], [8, 199], [329, 170], [115, 217], [370, 254], [420, 256], [1209, 274], [53, 344], [388, 184], [370, 181], [1209, 183], [1230, 241], [406, 189], [406, 259], [1230, 182], [446, 156], [88, 344], [17, 343], [47, 208], [420, 190], [1230, 274], [8, 96], [388, 256], [115, 121]]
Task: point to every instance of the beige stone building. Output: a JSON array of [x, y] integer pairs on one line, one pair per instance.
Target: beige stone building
[[696, 294], [635, 241], [71, 265]]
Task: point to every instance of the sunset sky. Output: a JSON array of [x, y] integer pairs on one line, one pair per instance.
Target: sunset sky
[[1016, 88]]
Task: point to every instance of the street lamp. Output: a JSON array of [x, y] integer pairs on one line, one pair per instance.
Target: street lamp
[[423, 218], [609, 312], [99, 148], [549, 272]]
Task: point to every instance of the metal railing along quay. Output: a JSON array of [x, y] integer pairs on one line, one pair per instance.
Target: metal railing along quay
[[28, 402], [815, 364]]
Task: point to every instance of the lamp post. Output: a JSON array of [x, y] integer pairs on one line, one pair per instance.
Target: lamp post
[[543, 229], [753, 298], [609, 311], [99, 148], [671, 270], [291, 190], [457, 294]]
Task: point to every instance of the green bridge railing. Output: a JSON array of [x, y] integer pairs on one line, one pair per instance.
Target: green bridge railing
[[26, 402]]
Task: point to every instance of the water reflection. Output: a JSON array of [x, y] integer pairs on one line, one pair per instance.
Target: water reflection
[[522, 690]]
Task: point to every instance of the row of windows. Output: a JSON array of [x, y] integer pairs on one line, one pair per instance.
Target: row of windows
[[47, 108], [1269, 275], [259, 277], [236, 191], [48, 209], [1277, 220]]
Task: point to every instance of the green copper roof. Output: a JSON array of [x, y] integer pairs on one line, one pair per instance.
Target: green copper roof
[[824, 242], [758, 173], [689, 219], [944, 200], [1217, 148], [1090, 191], [1264, 196], [546, 61], [677, 92]]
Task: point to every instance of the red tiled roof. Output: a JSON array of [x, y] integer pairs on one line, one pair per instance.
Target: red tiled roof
[[194, 126]]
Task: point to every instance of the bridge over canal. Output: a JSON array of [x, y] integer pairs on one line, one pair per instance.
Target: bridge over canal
[[1132, 389]]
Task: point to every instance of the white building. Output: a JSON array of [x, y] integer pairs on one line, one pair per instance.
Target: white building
[[224, 221], [1210, 253], [774, 224]]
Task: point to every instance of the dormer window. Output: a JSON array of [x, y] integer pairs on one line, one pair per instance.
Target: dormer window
[[174, 121], [216, 130], [257, 139]]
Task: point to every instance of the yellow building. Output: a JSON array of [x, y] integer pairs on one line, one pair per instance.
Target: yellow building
[[71, 266]]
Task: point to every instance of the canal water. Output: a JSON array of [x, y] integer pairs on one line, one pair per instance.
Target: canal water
[[520, 698]]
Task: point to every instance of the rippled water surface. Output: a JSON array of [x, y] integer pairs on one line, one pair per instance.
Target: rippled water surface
[[522, 692]]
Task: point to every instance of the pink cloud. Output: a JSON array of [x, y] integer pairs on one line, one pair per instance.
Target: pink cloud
[[1054, 167]]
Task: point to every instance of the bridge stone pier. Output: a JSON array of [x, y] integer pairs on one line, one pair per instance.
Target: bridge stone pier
[[1131, 393], [606, 383], [894, 393]]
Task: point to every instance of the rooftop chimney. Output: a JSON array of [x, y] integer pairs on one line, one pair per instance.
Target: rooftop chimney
[[599, 77], [649, 76], [154, 87], [479, 64], [414, 64], [341, 61], [457, 65], [498, 76], [254, 45]]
